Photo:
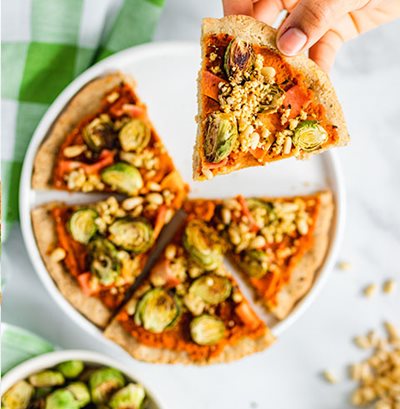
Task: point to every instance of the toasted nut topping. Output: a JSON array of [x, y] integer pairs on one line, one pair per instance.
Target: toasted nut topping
[[132, 202], [258, 242], [362, 342], [237, 297], [168, 215], [74, 150], [389, 286], [137, 211], [170, 252], [226, 215], [155, 198], [154, 187], [268, 72], [330, 377], [112, 97], [370, 290], [58, 254], [287, 147]]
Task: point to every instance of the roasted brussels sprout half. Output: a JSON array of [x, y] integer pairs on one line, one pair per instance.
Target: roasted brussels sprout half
[[254, 204], [103, 383], [238, 59], [132, 234], [82, 225], [309, 136], [211, 288], [156, 310], [203, 245], [273, 100], [131, 396], [81, 393], [207, 330], [221, 136], [104, 262], [134, 136], [122, 177], [99, 133], [255, 263], [61, 399], [47, 378], [18, 396], [71, 369]]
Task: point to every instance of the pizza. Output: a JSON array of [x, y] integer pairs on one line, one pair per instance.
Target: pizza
[[277, 243], [95, 252], [104, 142], [190, 309], [257, 106]]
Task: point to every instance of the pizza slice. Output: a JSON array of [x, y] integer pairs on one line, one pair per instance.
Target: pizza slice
[[190, 309], [257, 106], [95, 252], [104, 141], [277, 243]]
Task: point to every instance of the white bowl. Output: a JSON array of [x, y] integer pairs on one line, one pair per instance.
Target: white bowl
[[52, 359], [172, 107]]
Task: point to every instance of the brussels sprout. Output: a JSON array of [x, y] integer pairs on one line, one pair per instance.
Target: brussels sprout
[[104, 382], [211, 288], [221, 136], [81, 393], [47, 378], [99, 133], [239, 59], [156, 310], [273, 100], [203, 245], [254, 204], [134, 136], [131, 396], [207, 330], [61, 399], [71, 369], [104, 261], [309, 136], [82, 225], [123, 177], [132, 234], [18, 396], [256, 263]]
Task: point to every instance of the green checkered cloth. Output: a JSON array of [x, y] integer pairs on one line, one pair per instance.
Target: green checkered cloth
[[45, 45]]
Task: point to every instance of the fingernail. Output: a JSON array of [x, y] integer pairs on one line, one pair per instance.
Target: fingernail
[[292, 41]]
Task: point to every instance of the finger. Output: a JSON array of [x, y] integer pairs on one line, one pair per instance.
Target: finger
[[268, 10], [244, 7], [309, 21], [324, 51]]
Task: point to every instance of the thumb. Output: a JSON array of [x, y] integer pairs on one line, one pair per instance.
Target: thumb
[[309, 21]]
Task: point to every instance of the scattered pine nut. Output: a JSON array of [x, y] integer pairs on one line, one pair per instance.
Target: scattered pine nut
[[389, 286], [370, 290], [330, 377], [362, 342], [344, 266], [58, 254]]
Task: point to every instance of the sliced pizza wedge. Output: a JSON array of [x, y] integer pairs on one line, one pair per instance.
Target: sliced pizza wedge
[[277, 243], [95, 252], [105, 141], [190, 309], [257, 106]]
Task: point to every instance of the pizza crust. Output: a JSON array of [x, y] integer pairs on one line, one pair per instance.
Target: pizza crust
[[44, 229], [86, 102], [245, 346], [303, 275], [257, 32]]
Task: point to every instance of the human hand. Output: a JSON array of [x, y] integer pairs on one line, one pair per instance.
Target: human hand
[[318, 26]]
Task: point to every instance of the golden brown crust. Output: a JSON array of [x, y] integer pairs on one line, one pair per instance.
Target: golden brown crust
[[86, 102], [256, 32], [46, 238], [303, 275], [245, 346]]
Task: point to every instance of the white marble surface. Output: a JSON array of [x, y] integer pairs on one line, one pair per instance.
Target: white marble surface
[[288, 375]]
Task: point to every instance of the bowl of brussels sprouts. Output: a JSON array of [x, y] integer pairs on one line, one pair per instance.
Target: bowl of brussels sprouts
[[74, 380]]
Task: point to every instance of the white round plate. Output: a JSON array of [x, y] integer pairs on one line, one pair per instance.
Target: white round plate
[[52, 359], [166, 75]]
